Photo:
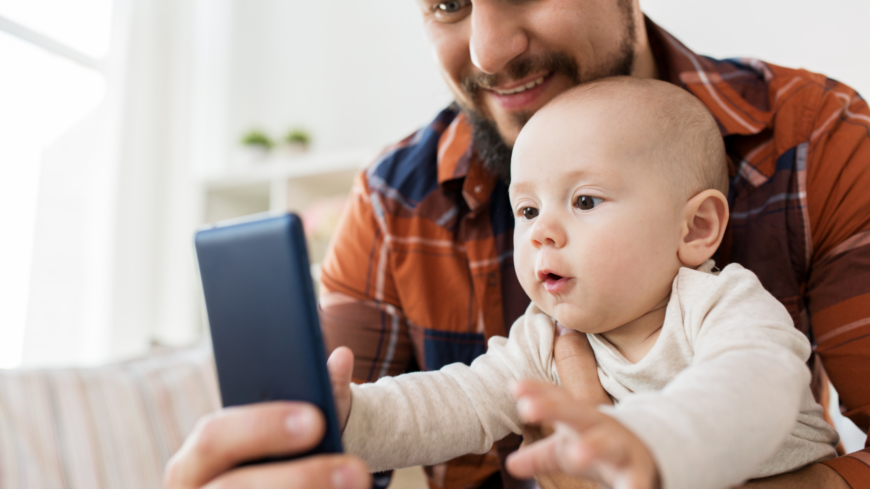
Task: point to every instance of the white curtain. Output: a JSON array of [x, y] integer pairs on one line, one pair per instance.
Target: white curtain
[[111, 265]]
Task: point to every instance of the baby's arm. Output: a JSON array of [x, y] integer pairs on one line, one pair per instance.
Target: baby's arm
[[712, 426], [718, 420], [429, 417]]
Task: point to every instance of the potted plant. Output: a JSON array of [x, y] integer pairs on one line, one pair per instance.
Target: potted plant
[[257, 145], [298, 140]]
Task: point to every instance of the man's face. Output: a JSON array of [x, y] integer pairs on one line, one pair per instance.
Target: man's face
[[505, 59]]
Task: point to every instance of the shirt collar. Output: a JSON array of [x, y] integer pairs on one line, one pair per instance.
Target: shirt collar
[[457, 160]]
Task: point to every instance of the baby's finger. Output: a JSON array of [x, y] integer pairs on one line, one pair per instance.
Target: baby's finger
[[612, 446], [608, 445], [538, 458], [540, 403]]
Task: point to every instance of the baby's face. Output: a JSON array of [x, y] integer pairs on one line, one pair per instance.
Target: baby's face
[[597, 232]]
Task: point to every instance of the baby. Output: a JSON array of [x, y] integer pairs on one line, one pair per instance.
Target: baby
[[618, 195]]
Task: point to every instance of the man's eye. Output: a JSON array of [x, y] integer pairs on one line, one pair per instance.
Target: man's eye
[[586, 202], [530, 212], [449, 7], [451, 10]]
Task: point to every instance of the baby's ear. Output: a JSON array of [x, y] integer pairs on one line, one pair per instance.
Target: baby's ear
[[705, 217]]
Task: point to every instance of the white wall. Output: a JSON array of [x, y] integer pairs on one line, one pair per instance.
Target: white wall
[[357, 73], [830, 37]]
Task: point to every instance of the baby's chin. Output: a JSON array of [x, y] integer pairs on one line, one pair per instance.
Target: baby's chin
[[571, 319]]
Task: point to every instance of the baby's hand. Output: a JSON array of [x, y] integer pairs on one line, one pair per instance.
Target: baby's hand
[[586, 443], [340, 366]]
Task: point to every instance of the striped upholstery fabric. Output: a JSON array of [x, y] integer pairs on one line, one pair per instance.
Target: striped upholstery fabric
[[106, 427]]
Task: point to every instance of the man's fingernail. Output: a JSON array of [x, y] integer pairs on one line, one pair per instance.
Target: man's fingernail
[[346, 478], [300, 422]]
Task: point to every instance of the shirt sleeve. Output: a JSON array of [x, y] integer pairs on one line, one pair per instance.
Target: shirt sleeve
[[359, 304], [838, 285], [425, 418], [744, 388]]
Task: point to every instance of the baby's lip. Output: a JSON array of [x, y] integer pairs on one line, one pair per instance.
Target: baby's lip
[[553, 282], [547, 274]]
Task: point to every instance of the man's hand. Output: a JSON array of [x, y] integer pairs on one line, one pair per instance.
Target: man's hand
[[577, 369], [586, 443], [340, 365], [815, 476], [220, 442]]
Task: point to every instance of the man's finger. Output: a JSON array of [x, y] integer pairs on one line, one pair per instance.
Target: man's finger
[[232, 436], [340, 366], [575, 362], [538, 402], [326, 472]]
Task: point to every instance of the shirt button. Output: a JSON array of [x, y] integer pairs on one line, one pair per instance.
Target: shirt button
[[491, 280], [478, 188]]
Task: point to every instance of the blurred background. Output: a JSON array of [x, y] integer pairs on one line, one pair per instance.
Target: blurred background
[[125, 124]]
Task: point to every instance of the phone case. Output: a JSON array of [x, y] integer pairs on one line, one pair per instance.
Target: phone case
[[262, 314]]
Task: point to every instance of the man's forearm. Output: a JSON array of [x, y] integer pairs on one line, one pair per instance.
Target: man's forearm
[[816, 476]]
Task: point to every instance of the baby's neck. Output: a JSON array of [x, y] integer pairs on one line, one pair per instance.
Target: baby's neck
[[635, 339]]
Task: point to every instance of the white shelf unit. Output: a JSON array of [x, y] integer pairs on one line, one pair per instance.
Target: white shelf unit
[[280, 181]]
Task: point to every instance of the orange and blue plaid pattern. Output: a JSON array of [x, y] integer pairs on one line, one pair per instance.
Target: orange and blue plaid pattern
[[421, 274]]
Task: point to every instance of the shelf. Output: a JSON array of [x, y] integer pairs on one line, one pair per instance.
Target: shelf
[[282, 166]]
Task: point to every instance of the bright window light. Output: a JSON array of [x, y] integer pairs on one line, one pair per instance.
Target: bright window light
[[41, 97], [84, 25]]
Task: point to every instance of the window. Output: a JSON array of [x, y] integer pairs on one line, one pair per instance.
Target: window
[[50, 54]]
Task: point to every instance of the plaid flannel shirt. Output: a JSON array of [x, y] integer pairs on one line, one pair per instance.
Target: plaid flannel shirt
[[420, 273]]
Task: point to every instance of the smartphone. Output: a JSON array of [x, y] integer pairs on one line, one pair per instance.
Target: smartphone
[[262, 314]]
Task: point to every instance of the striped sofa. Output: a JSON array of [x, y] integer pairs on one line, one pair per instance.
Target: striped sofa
[[110, 427]]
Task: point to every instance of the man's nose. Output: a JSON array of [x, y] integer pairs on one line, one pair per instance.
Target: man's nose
[[547, 232], [497, 35]]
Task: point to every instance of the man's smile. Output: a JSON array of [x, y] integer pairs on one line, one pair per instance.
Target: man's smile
[[520, 87], [520, 95]]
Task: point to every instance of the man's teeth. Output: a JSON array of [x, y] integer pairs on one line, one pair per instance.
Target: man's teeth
[[521, 88]]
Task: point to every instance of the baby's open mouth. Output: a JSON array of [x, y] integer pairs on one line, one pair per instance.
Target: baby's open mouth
[[553, 282]]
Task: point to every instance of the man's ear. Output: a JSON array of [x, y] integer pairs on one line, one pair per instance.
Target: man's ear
[[705, 217]]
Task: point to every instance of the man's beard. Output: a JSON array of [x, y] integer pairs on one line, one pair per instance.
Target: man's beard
[[486, 140]]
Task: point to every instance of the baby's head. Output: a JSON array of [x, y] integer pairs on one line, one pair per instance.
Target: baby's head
[[615, 185]]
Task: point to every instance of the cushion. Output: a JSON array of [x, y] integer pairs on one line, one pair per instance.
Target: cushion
[[106, 427]]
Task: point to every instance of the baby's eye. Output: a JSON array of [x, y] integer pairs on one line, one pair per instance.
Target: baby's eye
[[529, 212], [587, 202]]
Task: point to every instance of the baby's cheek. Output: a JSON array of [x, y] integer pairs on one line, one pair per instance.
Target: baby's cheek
[[524, 264]]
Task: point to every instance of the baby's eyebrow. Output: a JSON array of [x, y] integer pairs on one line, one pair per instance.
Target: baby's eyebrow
[[518, 187]]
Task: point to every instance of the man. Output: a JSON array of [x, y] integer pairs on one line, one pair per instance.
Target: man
[[420, 273]]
